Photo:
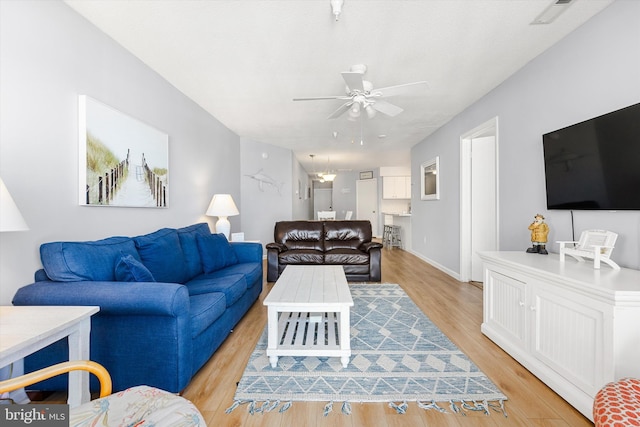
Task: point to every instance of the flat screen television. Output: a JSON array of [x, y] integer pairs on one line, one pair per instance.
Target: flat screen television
[[595, 164]]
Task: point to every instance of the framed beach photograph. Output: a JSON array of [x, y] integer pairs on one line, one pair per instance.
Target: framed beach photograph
[[122, 161], [430, 179]]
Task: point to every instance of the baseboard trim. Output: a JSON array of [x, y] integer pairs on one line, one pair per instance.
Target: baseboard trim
[[436, 265]]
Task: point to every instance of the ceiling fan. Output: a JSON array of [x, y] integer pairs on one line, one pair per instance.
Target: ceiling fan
[[360, 95]]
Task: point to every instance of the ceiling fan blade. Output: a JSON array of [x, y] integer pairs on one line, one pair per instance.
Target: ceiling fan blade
[[321, 98], [387, 108], [353, 80], [344, 107], [384, 92]]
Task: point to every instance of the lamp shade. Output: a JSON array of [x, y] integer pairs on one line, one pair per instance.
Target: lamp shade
[[222, 206], [10, 217]]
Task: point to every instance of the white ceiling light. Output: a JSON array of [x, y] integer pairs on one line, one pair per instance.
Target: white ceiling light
[[555, 9], [371, 113], [336, 8], [323, 176]]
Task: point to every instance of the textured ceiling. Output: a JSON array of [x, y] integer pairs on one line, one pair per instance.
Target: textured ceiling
[[244, 61]]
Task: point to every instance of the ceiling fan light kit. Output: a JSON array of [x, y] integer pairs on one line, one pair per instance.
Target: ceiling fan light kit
[[360, 95]]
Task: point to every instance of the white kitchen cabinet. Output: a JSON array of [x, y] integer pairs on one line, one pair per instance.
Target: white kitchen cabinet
[[396, 187], [573, 327]]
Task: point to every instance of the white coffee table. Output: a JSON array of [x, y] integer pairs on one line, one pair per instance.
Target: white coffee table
[[309, 313]]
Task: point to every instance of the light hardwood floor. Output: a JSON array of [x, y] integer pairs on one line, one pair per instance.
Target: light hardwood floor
[[455, 307]]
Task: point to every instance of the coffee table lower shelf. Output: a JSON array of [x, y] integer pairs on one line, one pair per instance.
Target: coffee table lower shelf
[[309, 334]]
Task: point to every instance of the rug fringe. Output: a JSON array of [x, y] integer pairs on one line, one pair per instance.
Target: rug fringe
[[431, 405], [256, 408], [272, 406], [286, 406], [235, 404], [476, 406], [346, 408], [457, 407], [327, 408], [401, 408], [499, 407]]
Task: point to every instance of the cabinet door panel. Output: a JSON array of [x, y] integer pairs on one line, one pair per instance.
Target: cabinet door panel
[[396, 187], [505, 307], [568, 337]]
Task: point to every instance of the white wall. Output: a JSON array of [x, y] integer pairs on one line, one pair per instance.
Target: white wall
[[593, 71], [302, 203], [263, 207], [344, 193], [48, 56]]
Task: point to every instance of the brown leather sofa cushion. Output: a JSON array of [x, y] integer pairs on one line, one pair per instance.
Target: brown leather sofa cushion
[[346, 234], [302, 256], [346, 256], [299, 235]]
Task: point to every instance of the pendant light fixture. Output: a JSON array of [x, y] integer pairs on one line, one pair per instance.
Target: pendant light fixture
[[329, 176]]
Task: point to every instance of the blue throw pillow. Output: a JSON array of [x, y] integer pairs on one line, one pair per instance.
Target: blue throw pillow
[[162, 254], [130, 269], [215, 252], [189, 246]]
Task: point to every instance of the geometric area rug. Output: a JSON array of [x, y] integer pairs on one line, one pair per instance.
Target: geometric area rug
[[397, 355]]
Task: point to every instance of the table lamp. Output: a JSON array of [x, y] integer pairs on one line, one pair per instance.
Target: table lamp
[[11, 220], [222, 206], [10, 217]]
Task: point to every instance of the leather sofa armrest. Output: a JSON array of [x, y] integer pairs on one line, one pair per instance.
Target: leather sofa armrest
[[277, 246], [368, 246], [273, 250]]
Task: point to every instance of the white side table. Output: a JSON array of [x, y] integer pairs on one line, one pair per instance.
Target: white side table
[[27, 329]]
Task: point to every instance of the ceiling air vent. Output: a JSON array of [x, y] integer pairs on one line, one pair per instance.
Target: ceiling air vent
[[555, 9]]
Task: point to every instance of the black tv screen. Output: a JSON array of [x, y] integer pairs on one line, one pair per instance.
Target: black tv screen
[[595, 164]]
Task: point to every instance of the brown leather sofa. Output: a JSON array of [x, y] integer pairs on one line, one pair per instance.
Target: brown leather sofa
[[346, 243]]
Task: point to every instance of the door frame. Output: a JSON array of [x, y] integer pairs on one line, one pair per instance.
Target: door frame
[[488, 128]]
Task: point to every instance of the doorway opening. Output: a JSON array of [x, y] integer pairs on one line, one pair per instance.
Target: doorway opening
[[479, 215], [322, 197]]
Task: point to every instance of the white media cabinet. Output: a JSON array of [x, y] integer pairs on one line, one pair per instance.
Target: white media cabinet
[[574, 327]]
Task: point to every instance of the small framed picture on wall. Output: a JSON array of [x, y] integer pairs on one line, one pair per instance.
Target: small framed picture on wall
[[430, 180]]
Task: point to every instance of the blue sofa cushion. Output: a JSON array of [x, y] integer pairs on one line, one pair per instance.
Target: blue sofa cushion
[[216, 252], [129, 269], [189, 246], [232, 286], [77, 261], [252, 272], [162, 254], [204, 309]]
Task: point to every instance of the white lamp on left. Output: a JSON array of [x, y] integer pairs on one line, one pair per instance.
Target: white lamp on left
[[222, 206], [10, 217]]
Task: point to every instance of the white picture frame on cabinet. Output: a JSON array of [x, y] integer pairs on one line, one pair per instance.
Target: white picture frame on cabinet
[[430, 179]]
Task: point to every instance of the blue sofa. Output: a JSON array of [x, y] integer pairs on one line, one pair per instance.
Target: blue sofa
[[167, 301]]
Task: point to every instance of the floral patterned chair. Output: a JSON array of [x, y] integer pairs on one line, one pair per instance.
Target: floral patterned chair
[[139, 406]]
